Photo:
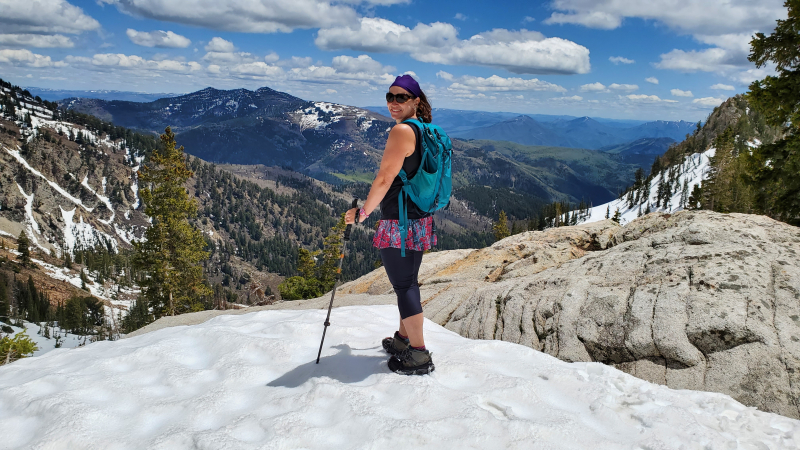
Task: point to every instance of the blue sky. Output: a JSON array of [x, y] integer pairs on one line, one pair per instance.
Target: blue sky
[[660, 59]]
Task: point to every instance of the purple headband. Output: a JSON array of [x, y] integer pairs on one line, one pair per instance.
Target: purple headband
[[408, 83]]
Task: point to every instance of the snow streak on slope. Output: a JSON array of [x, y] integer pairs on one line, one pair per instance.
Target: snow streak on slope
[[692, 171], [250, 381]]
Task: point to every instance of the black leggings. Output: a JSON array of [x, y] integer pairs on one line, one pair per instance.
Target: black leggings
[[402, 273]]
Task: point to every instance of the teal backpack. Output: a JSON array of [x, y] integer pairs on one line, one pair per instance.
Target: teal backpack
[[430, 187]]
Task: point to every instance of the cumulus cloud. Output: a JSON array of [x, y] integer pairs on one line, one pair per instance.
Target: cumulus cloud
[[710, 102], [44, 17], [217, 44], [727, 25], [330, 75], [273, 57], [623, 87], [681, 93], [594, 87], [110, 61], [460, 16], [723, 87], [444, 75], [496, 83], [35, 40], [520, 51], [652, 80], [158, 38], [27, 58], [362, 63], [620, 60], [643, 98], [686, 16], [248, 16], [294, 61]]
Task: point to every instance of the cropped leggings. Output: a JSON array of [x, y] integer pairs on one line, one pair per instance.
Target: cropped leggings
[[402, 273]]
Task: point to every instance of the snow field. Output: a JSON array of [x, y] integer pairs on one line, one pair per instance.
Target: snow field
[[250, 381]]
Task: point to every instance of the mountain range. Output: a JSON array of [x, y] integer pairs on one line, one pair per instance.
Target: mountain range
[[337, 143]]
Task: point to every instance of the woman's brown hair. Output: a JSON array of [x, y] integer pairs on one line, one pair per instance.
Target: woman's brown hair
[[424, 109]]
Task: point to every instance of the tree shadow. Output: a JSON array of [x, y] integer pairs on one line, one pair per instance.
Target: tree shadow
[[343, 366]]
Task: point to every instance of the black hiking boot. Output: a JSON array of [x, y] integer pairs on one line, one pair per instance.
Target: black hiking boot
[[412, 362], [395, 345]]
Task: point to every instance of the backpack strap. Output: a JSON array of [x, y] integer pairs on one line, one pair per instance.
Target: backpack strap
[[402, 207]]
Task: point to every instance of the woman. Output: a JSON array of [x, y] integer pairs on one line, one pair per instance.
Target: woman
[[405, 100]]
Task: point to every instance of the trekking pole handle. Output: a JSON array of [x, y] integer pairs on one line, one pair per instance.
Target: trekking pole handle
[[347, 230]]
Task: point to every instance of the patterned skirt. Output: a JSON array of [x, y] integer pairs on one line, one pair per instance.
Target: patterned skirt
[[421, 234]]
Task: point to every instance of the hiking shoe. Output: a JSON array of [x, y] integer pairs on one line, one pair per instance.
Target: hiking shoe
[[412, 362], [395, 345]]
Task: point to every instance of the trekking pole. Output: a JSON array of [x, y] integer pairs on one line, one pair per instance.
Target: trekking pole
[[338, 278]]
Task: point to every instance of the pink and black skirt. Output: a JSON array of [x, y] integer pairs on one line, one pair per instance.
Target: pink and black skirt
[[421, 234]]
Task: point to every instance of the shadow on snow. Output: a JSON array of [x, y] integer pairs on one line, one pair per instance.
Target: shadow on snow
[[343, 366]]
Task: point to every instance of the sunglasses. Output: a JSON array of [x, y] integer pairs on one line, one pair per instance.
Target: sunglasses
[[400, 98]]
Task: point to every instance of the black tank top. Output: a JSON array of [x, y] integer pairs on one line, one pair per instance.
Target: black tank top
[[389, 204]]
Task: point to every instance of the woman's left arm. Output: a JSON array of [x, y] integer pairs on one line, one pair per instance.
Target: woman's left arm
[[399, 145]]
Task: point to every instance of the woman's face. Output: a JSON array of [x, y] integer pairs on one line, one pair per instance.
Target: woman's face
[[402, 111]]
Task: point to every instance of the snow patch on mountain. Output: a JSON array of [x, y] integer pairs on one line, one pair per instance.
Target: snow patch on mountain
[[250, 381], [691, 172]]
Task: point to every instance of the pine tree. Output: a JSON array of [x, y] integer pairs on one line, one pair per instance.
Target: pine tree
[[617, 216], [608, 211], [173, 250], [773, 168], [500, 228], [332, 249], [4, 303], [23, 247]]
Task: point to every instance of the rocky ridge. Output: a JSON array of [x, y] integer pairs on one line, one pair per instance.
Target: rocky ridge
[[694, 300]]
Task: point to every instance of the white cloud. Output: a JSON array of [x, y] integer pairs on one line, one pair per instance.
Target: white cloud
[[110, 61], [44, 17], [272, 58], [385, 36], [723, 87], [648, 98], [712, 17], [217, 44], [623, 87], [620, 60], [708, 101], [330, 91], [257, 69], [294, 61], [652, 80], [223, 58], [527, 19], [247, 16], [681, 93], [444, 75], [35, 40], [362, 63], [594, 87], [727, 25], [520, 51], [158, 38], [496, 83], [27, 58], [460, 16], [329, 75]]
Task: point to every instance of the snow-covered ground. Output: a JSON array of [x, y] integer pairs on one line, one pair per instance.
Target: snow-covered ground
[[693, 170], [250, 381]]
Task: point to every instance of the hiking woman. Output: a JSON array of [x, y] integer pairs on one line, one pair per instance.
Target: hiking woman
[[405, 100]]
